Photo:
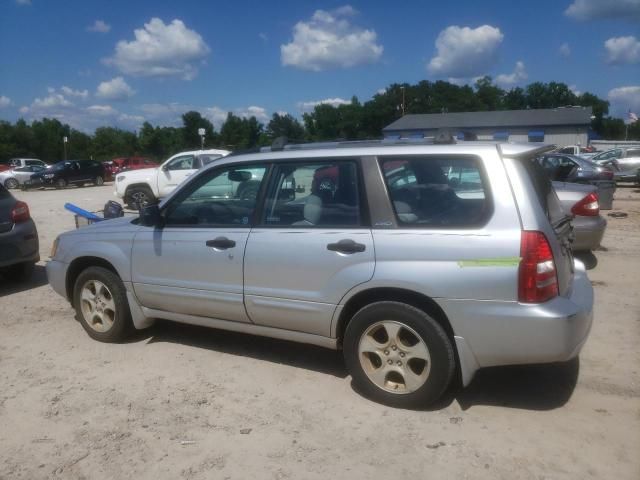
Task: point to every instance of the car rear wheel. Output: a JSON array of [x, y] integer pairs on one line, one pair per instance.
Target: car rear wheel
[[139, 197], [101, 305], [11, 183], [61, 183], [398, 355], [98, 181]]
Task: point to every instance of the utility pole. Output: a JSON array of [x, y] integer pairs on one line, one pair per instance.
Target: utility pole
[[65, 139], [402, 88], [201, 132]]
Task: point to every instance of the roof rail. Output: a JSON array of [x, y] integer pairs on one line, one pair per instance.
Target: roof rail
[[443, 137]]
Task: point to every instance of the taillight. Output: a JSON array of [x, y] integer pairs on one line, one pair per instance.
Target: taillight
[[588, 206], [20, 212], [537, 278]]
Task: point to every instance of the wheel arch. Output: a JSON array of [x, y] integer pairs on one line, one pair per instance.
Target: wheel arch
[[393, 294], [138, 185], [78, 265]]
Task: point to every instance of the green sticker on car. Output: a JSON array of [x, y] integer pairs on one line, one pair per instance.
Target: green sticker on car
[[490, 262]]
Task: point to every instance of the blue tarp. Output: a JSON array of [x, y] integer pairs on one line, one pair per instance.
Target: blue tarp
[[536, 135], [501, 136]]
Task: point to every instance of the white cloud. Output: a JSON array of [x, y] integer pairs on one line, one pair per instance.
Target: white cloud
[[334, 102], [99, 26], [70, 92], [263, 36], [24, 109], [23, 2], [621, 50], [53, 100], [564, 50], [575, 90], [624, 99], [508, 80], [102, 110], [131, 121], [161, 50], [218, 115], [464, 52], [330, 40], [115, 89], [5, 102], [603, 9]]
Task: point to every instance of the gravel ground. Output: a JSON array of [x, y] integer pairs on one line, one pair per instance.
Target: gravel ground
[[186, 402]]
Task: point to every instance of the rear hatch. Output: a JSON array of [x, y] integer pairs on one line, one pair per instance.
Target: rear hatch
[[559, 220]]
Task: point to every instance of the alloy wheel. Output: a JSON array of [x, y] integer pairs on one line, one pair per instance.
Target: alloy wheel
[[97, 306], [394, 357]]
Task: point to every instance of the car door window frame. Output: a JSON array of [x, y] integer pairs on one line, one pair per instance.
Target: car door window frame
[[206, 176], [261, 211]]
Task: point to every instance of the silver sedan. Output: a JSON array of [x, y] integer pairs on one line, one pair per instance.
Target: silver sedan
[[17, 176]]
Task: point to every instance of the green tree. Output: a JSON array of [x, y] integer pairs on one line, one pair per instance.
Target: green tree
[[284, 126], [191, 122]]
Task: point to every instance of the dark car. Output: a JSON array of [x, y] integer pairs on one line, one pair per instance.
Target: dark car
[[574, 169], [69, 172], [19, 248]]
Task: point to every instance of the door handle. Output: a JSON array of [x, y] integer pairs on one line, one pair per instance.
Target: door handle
[[347, 246], [221, 243]]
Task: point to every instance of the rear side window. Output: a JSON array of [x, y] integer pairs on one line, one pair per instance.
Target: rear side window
[[437, 191]]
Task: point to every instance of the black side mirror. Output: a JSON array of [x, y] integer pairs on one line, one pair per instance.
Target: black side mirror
[[150, 216]]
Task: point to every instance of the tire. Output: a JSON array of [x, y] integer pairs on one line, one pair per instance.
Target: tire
[[98, 181], [61, 183], [392, 369], [11, 183], [101, 305], [21, 272], [138, 197]]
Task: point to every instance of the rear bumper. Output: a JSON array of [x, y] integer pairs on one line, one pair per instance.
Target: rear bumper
[[510, 333], [588, 233], [19, 245]]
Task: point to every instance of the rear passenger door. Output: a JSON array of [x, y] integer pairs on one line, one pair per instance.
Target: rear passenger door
[[312, 245]]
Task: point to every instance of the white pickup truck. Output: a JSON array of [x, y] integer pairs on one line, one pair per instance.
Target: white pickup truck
[[141, 187]]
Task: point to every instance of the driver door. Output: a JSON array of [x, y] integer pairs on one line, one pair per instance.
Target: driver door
[[174, 172], [193, 265]]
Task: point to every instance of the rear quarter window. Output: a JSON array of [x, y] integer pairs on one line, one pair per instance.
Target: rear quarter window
[[437, 192]]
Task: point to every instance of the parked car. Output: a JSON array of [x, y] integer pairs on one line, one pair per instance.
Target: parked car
[[19, 248], [21, 162], [581, 201], [624, 161], [68, 172], [574, 169], [144, 186], [453, 284], [132, 163], [17, 176], [584, 152]]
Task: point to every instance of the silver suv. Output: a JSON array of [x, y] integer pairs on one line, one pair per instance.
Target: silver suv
[[418, 260]]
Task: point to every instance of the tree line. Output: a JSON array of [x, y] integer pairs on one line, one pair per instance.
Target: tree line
[[351, 121]]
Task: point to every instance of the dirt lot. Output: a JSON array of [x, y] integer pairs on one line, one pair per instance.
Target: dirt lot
[[186, 402]]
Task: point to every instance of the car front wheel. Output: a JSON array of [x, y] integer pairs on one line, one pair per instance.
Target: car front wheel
[[61, 183], [139, 197], [98, 181], [398, 355], [11, 183], [101, 305]]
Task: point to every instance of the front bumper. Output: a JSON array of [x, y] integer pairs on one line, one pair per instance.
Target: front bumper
[[511, 333], [57, 274], [588, 233], [19, 245]]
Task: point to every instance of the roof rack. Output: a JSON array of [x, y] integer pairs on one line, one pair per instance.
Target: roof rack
[[442, 137]]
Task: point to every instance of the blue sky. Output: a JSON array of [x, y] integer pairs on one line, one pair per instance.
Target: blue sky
[[119, 63]]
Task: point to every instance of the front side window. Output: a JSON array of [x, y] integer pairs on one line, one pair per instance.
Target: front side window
[[438, 192], [224, 197], [185, 162], [319, 194], [208, 158]]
